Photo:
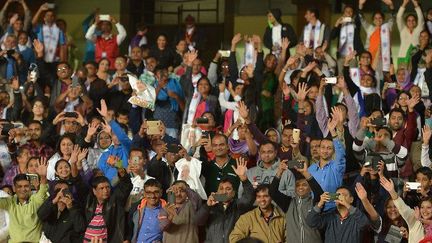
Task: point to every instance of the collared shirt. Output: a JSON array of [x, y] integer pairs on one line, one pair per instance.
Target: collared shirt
[[150, 230], [330, 175]]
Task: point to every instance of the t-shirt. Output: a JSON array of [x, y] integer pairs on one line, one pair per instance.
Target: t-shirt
[[97, 227]]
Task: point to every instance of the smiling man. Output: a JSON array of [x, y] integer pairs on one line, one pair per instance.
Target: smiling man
[[266, 222], [25, 225]]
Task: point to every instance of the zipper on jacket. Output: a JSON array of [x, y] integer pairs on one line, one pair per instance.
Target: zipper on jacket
[[300, 220]]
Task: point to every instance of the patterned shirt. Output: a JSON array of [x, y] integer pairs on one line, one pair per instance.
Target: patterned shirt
[[10, 175], [96, 227]]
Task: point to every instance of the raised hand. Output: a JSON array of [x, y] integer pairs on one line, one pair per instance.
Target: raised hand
[[243, 110], [426, 132], [92, 129], [222, 87], [241, 168], [74, 155], [388, 185], [38, 47], [415, 3], [331, 125], [337, 114], [286, 89], [389, 3], [350, 57], [82, 154], [341, 84], [304, 171], [42, 168], [285, 43], [412, 102], [302, 92], [236, 39], [361, 192], [103, 111], [211, 201]]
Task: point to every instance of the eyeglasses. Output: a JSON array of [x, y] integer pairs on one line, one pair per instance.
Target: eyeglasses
[[61, 69], [224, 66], [152, 194]]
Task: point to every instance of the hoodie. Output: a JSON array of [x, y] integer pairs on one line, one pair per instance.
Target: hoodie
[[259, 175]]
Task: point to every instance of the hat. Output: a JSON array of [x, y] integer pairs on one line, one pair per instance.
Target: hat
[[277, 14]]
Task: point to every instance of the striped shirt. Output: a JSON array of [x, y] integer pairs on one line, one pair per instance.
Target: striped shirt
[[97, 227]]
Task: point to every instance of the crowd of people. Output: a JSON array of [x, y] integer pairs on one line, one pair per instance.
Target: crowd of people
[[295, 145]]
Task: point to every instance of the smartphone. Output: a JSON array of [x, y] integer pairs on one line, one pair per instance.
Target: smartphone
[[50, 5], [413, 185], [124, 79], [75, 82], [171, 198], [34, 179], [346, 19], [296, 135], [67, 193], [153, 128], [6, 128], [71, 115], [372, 160], [18, 124], [379, 121], [202, 120], [391, 85], [173, 148], [205, 134], [104, 17], [221, 197], [225, 53], [334, 196], [331, 80], [295, 163], [135, 160]]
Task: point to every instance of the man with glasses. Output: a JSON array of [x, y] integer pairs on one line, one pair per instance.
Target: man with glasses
[[35, 146], [146, 213], [64, 80]]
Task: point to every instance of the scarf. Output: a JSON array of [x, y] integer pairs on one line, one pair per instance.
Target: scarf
[[51, 36], [346, 42], [380, 46], [196, 98], [318, 34], [238, 146]]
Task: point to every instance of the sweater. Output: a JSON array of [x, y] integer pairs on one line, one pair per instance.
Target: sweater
[[407, 38], [415, 227], [25, 225]]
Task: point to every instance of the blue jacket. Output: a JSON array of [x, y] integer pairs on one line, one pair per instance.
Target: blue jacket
[[121, 151]]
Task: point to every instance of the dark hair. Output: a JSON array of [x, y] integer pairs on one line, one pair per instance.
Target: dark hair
[[152, 182], [69, 136], [145, 47], [288, 127], [90, 62], [143, 152], [30, 159], [122, 112], [98, 180], [57, 164], [104, 59], [7, 186], [35, 122], [20, 177], [180, 182], [379, 110], [397, 110], [380, 13], [262, 187], [227, 180], [64, 63], [346, 188], [387, 222], [314, 10], [141, 27], [387, 129], [411, 15], [221, 135], [123, 57], [425, 171]]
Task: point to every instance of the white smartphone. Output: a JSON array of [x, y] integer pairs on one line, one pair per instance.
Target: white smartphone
[[413, 185], [104, 17], [51, 5], [391, 85], [346, 19], [331, 80], [225, 53]]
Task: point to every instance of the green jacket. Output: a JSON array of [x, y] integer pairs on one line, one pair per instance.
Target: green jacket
[[25, 225], [252, 224]]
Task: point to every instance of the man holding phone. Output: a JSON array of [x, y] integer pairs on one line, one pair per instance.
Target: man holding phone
[[345, 224], [138, 159], [223, 208]]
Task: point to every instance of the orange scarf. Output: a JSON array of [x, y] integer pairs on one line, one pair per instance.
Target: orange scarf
[[374, 43]]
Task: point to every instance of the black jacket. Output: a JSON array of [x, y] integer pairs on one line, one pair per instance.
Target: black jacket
[[113, 209], [219, 222], [286, 32], [67, 228], [358, 44]]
